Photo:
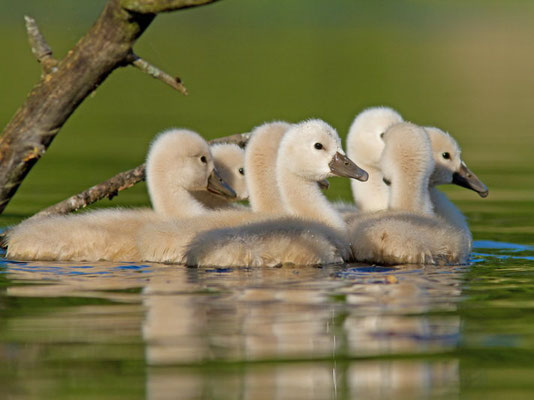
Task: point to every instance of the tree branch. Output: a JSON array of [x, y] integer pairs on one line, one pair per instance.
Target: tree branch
[[40, 48], [159, 6], [107, 46], [109, 189], [174, 82]]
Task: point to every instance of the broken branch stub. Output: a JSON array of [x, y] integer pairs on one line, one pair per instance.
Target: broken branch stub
[[39, 46]]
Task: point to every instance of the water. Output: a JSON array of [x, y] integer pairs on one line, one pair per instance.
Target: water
[[158, 331]]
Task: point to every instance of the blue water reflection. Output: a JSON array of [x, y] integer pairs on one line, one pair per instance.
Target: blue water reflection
[[501, 250]]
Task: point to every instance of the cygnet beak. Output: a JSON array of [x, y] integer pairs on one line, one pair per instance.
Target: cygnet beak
[[466, 178], [217, 185], [323, 184], [341, 165]]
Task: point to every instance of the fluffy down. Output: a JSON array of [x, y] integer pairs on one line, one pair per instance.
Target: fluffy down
[[272, 243], [398, 237]]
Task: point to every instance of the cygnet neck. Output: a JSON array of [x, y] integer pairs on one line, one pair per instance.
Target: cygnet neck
[[371, 195], [411, 193], [302, 197], [175, 202], [260, 163], [407, 163]]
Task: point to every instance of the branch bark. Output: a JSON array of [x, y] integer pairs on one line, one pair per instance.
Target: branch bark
[[121, 181], [159, 6], [63, 86]]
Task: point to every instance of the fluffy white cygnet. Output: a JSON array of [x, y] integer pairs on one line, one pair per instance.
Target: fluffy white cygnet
[[364, 147], [309, 152], [229, 160], [365, 144], [409, 232], [178, 163], [269, 243]]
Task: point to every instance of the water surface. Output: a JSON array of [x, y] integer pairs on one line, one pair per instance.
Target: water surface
[[356, 331]]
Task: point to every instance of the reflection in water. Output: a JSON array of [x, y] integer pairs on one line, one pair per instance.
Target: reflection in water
[[281, 333]]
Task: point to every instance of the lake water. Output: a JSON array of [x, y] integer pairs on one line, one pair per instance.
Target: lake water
[[113, 331], [129, 331]]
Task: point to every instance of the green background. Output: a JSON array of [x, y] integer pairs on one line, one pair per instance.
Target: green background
[[464, 66]]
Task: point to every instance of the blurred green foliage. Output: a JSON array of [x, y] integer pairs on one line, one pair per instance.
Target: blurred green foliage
[[463, 66]]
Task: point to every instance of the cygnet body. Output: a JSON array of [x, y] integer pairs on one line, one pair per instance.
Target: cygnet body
[[309, 152], [178, 162], [408, 232]]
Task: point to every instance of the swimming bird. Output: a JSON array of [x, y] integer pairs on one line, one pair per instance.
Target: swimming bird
[[309, 152], [408, 232], [261, 156], [365, 144], [229, 160], [178, 163]]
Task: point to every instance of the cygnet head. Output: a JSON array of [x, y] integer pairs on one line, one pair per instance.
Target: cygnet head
[[179, 159], [365, 138], [312, 150], [449, 166], [229, 160]]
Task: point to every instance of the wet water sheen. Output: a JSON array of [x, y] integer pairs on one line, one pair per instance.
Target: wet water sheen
[[158, 331]]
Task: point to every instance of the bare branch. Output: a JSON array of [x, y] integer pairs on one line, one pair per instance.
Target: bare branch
[[158, 6], [240, 139], [40, 48], [174, 82], [108, 189]]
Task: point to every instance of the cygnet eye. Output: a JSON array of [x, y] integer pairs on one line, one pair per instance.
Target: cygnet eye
[[318, 146], [203, 159], [382, 135], [446, 155], [241, 171]]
